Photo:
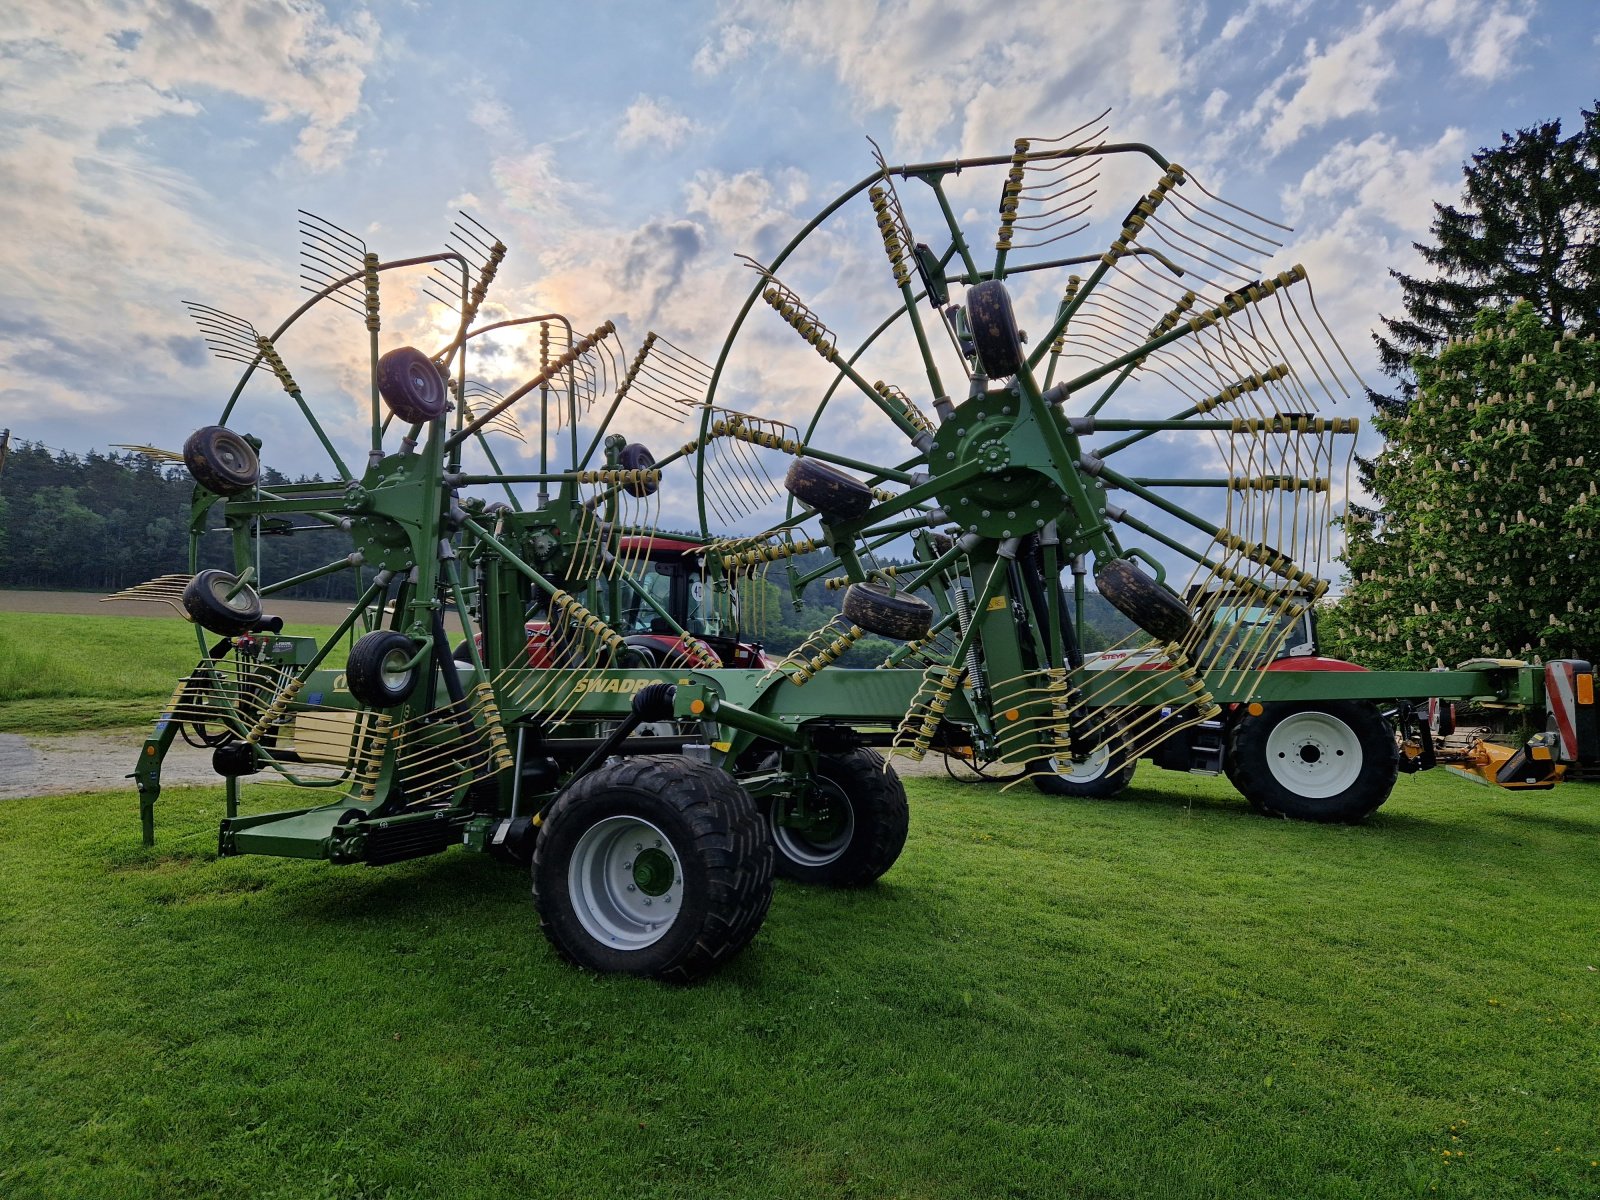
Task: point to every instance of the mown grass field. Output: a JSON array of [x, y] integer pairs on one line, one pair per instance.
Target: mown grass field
[[62, 673], [1151, 997]]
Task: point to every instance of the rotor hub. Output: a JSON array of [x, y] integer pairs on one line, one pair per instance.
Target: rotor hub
[[1012, 492]]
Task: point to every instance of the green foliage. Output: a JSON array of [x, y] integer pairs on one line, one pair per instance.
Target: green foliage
[[102, 522], [1162, 996], [1484, 540], [1527, 228]]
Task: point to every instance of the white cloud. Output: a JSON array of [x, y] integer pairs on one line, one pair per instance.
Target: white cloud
[[652, 122], [1381, 180], [731, 44], [1339, 82], [1346, 78], [944, 70]]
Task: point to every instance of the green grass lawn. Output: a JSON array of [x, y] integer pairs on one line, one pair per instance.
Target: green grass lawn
[[67, 674], [1158, 996]]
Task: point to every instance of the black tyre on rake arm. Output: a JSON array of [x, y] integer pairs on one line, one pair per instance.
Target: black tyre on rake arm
[[656, 865]]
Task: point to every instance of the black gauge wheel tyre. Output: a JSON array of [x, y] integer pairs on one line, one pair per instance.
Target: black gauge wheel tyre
[[830, 491], [378, 673], [898, 615], [411, 385], [206, 600], [1323, 760], [654, 865], [994, 329], [221, 460], [1142, 600], [635, 457], [859, 824]]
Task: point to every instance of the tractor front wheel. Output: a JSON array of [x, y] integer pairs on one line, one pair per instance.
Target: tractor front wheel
[[655, 865], [857, 828], [1327, 760]]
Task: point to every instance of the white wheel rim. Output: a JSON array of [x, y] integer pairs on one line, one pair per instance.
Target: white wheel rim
[[396, 673], [1313, 754], [1087, 771], [806, 851], [242, 601], [618, 902]]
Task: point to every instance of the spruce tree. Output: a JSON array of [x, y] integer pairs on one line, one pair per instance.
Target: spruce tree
[[1527, 228]]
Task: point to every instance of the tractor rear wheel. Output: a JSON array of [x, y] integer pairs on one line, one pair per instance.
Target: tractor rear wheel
[[655, 865], [1323, 760], [858, 828]]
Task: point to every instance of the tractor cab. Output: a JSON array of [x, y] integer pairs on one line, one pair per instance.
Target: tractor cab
[[1247, 634]]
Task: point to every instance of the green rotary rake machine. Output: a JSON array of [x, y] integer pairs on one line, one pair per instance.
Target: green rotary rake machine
[[608, 716]]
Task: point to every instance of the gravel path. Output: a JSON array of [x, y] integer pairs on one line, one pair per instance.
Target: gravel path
[[89, 762], [34, 765]]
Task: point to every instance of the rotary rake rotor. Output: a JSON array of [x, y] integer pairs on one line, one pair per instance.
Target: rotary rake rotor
[[954, 469]]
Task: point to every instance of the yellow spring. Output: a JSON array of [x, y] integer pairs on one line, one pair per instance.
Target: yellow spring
[[793, 310], [1242, 387], [1067, 297], [369, 267], [1141, 213], [907, 409], [497, 254], [937, 703], [766, 554], [582, 617], [493, 725], [1061, 711], [827, 655], [274, 711], [892, 245], [843, 581], [269, 355], [1279, 483], [1235, 301], [1011, 194], [621, 478], [1287, 424], [914, 647], [1269, 558]]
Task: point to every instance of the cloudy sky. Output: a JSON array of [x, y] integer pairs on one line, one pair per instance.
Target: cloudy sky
[[156, 151]]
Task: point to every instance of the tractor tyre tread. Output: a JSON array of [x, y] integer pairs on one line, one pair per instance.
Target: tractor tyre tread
[[721, 841]]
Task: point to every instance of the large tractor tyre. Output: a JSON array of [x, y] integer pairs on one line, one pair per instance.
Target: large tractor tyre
[[826, 488], [1142, 600], [994, 329], [898, 615], [411, 385], [206, 600], [655, 865], [1321, 760], [1105, 771], [379, 672], [221, 460], [859, 826]]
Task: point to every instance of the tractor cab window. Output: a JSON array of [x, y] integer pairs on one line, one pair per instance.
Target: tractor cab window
[[638, 615]]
